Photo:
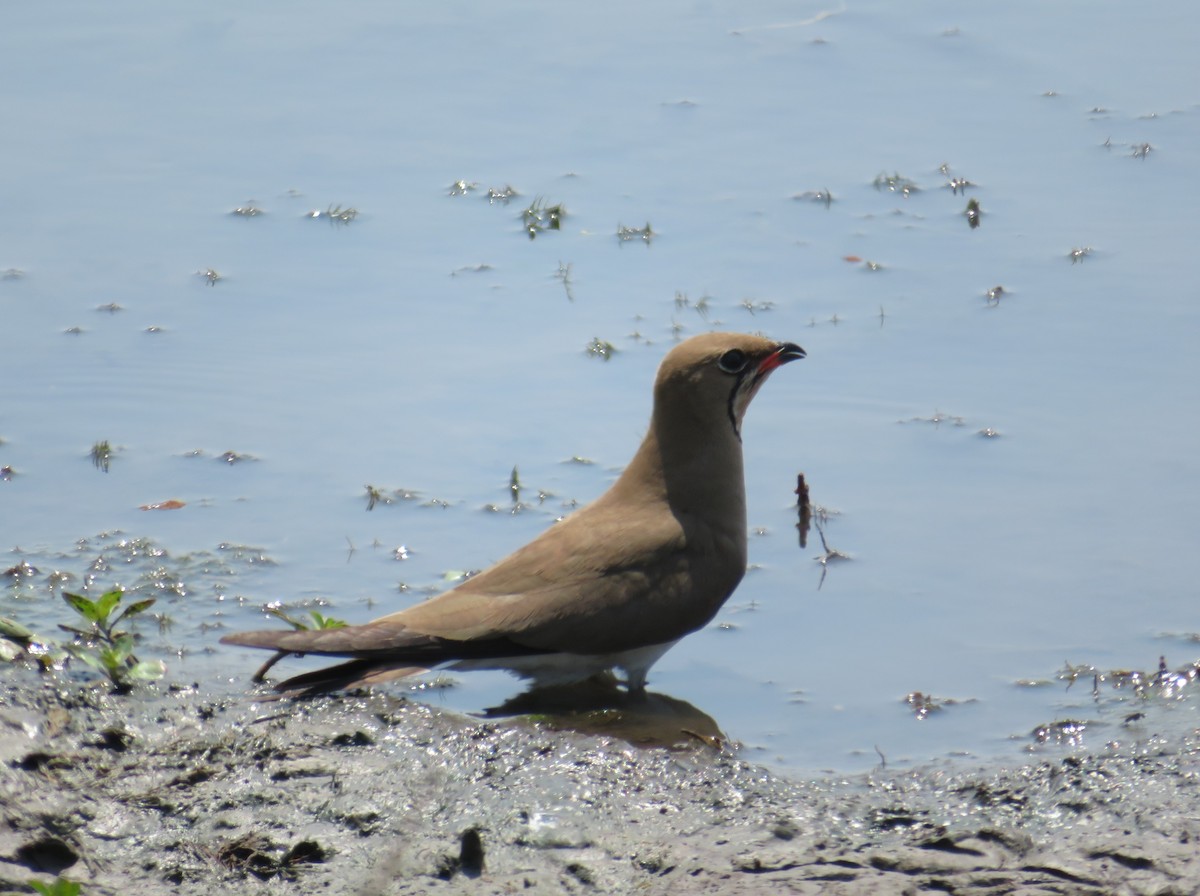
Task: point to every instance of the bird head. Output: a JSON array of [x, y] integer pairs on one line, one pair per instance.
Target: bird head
[[711, 379]]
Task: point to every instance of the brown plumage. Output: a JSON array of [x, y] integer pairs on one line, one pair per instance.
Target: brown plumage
[[615, 584]]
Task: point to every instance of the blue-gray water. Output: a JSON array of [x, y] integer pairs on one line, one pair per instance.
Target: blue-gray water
[[430, 345]]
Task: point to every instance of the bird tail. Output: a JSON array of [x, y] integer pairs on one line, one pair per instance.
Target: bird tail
[[344, 676]]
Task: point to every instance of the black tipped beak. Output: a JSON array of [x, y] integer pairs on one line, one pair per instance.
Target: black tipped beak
[[787, 351]]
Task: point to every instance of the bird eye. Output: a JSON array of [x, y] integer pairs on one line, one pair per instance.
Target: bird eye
[[732, 361]]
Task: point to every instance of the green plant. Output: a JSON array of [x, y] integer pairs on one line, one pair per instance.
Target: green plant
[[318, 620], [60, 887], [105, 648]]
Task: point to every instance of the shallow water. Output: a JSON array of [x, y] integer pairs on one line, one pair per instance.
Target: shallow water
[[430, 345]]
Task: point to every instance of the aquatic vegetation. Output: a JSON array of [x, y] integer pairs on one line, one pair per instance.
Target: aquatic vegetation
[[102, 646], [922, 705], [210, 276], [462, 187], [701, 306], [319, 621], [60, 886], [540, 217], [335, 214], [249, 210], [973, 213], [376, 496], [819, 516], [101, 455], [645, 234]]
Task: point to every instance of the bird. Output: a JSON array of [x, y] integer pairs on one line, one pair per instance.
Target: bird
[[609, 588]]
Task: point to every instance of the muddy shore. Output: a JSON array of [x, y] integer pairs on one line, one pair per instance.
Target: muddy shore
[[176, 791]]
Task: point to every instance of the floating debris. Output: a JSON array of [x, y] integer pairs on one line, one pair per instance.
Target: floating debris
[[502, 194], [754, 307], [22, 570], [7, 473], [896, 183], [988, 433], [1079, 253], [73, 331], [563, 275], [995, 294], [233, 457], [335, 214], [249, 210], [210, 276], [824, 197], [645, 234], [111, 308], [471, 269], [958, 183], [1067, 732], [598, 348], [938, 419], [922, 705], [172, 504], [462, 188], [1141, 150], [12, 274]]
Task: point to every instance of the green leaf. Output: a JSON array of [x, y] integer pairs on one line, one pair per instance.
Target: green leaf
[[9, 650], [122, 646], [326, 621], [84, 607], [133, 609], [10, 628], [60, 887], [278, 613], [92, 659], [147, 670], [106, 602]]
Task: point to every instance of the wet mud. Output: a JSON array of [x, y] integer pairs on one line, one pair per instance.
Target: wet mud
[[172, 790]]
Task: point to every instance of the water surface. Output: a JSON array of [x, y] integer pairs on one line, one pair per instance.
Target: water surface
[[429, 345]]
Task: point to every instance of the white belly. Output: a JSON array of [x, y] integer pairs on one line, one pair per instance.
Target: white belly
[[565, 668]]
